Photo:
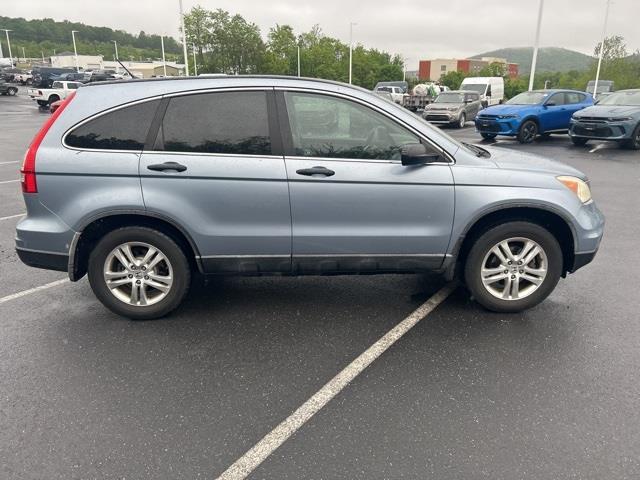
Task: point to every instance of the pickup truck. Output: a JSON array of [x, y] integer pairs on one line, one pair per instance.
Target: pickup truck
[[58, 91], [23, 78]]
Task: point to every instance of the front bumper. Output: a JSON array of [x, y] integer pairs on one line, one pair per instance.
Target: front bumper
[[589, 232], [440, 116], [602, 129], [497, 126]]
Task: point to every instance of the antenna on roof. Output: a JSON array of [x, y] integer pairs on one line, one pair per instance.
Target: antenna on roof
[[126, 69]]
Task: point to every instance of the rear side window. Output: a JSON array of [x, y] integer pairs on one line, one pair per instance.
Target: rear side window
[[574, 97], [122, 129], [222, 122]]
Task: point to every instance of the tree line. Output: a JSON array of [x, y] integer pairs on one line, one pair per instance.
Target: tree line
[[617, 65], [226, 43]]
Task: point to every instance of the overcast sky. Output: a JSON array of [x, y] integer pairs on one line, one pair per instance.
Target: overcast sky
[[415, 29]]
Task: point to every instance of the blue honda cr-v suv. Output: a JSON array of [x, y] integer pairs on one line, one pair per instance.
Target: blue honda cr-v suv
[[141, 184], [529, 114]]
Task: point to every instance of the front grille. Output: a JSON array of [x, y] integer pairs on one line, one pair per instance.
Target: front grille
[[437, 118], [592, 119], [595, 131], [484, 116], [491, 127]]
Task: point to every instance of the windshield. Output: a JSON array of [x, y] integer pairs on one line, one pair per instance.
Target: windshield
[[450, 98], [631, 98], [384, 89], [476, 87], [528, 98]]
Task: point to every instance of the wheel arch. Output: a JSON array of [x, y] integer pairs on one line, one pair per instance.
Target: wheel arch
[[96, 227], [551, 219]]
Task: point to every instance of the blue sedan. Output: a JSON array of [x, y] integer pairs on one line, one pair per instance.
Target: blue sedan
[[529, 114]]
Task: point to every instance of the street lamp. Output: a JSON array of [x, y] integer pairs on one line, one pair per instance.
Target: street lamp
[[75, 50], [351, 50], [184, 42], [9, 45], [164, 63], [298, 60], [195, 64], [534, 59], [604, 35], [115, 44]]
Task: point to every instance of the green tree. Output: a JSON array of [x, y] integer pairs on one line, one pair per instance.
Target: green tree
[[281, 52], [453, 79]]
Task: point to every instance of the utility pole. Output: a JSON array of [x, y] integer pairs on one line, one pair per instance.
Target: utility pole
[[42, 53], [115, 44], [601, 53], [298, 61], [164, 62], [9, 45], [24, 55], [75, 50], [351, 50], [534, 60], [195, 64], [184, 42]]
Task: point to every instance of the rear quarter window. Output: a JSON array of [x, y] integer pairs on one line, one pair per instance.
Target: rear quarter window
[[122, 129]]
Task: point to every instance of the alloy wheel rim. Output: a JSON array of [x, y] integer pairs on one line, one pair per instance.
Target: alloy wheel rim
[[138, 274], [514, 268], [529, 131]]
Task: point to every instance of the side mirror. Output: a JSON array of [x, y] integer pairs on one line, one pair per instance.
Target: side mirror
[[550, 104], [416, 154]]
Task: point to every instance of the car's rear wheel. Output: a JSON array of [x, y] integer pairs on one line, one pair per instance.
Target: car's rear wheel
[[42, 103], [488, 136], [528, 132], [53, 98], [513, 266], [12, 91], [579, 142], [634, 142], [139, 273]]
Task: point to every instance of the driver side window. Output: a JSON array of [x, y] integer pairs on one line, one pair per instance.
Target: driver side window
[[331, 127]]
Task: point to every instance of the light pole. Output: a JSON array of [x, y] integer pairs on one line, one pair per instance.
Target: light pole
[[9, 45], [298, 61], [351, 50], [75, 50], [24, 56], [195, 64], [1, 55], [115, 44], [164, 62], [534, 59], [184, 42], [600, 54]]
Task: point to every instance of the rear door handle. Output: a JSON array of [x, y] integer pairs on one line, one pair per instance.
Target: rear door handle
[[161, 167], [313, 171]]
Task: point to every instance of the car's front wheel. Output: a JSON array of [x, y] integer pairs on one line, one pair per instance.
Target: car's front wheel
[[513, 266], [462, 120], [634, 142], [528, 132], [139, 273]]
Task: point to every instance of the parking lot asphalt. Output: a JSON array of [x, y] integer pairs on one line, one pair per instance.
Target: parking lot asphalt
[[551, 393]]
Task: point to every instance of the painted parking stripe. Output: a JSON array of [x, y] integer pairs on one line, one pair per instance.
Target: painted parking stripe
[[12, 216], [10, 181], [246, 464], [8, 163], [24, 293]]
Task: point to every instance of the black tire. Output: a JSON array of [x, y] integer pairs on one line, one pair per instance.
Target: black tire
[[489, 136], [52, 99], [528, 132], [42, 103], [170, 249], [634, 142], [462, 119], [579, 142], [11, 91], [483, 245]]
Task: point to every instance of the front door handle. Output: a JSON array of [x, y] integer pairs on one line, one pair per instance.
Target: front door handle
[[161, 167], [313, 171]]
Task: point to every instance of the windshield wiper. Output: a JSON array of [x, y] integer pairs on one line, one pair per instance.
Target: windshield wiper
[[479, 151]]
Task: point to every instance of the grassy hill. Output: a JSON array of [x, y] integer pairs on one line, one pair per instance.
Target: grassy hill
[[550, 59]]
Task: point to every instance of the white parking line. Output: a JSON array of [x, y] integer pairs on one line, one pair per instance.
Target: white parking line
[[13, 296], [246, 464], [10, 181], [7, 163], [12, 216]]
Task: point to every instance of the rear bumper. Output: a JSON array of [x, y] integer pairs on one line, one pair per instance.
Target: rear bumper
[[46, 260]]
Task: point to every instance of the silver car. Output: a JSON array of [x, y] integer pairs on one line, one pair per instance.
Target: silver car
[[453, 108], [141, 184]]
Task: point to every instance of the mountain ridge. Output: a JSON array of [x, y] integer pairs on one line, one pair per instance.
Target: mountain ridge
[[550, 59]]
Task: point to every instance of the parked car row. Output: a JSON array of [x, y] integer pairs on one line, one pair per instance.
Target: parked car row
[[544, 112]]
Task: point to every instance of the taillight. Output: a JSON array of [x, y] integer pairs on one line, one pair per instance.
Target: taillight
[[28, 170]]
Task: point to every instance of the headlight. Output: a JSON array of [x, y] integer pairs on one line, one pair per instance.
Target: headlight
[[619, 119], [507, 116], [577, 186]]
